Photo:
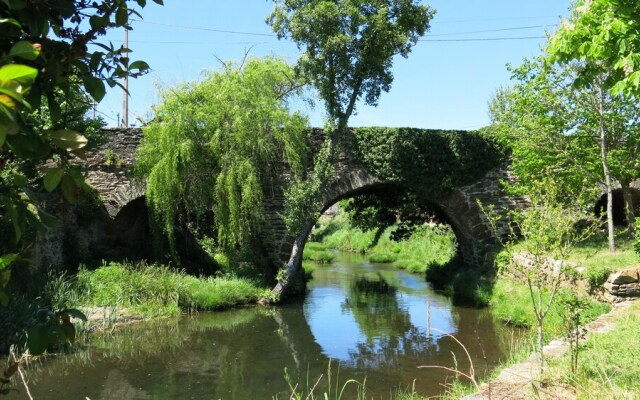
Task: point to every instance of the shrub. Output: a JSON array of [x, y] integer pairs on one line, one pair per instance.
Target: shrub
[[319, 256], [382, 258], [596, 276]]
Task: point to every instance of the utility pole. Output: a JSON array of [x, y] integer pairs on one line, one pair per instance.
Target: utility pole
[[125, 92]]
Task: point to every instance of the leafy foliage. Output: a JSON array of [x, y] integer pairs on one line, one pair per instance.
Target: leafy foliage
[[425, 166], [52, 328], [214, 145], [605, 34], [547, 232], [586, 135], [348, 45], [44, 52], [348, 48]]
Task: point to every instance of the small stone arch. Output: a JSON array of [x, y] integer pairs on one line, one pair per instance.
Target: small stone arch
[[124, 195], [619, 215]]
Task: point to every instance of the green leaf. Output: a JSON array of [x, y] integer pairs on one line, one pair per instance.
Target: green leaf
[[68, 139], [28, 146], [46, 219], [25, 50], [158, 2], [20, 73], [17, 5], [4, 298], [122, 16], [69, 189], [7, 259], [139, 65], [95, 87], [142, 3], [14, 90], [52, 179], [15, 219], [73, 312], [38, 339]]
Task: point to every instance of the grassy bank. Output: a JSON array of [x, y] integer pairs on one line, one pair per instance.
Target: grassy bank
[[608, 366], [156, 290], [429, 245]]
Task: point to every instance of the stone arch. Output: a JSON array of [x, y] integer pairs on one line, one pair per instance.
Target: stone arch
[[461, 210], [619, 215], [124, 195]]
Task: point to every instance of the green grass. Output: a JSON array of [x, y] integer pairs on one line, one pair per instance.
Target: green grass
[[383, 258], [594, 252], [608, 366], [511, 303], [318, 256], [429, 245], [155, 290]]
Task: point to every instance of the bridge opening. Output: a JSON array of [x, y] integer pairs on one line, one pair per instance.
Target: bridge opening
[[619, 214], [130, 233], [372, 219]]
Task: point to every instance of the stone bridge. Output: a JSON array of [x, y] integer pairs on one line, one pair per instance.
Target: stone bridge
[[109, 172]]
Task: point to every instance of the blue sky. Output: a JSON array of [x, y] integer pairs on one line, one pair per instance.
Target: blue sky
[[445, 83]]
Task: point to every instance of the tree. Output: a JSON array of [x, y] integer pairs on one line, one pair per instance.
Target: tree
[[44, 54], [583, 134], [605, 34], [45, 49], [348, 46], [347, 54], [213, 145], [547, 232]]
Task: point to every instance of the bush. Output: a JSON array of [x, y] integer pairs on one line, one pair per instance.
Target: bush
[[596, 276], [318, 256], [382, 258]]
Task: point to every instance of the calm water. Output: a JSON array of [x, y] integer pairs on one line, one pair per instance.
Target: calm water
[[372, 321]]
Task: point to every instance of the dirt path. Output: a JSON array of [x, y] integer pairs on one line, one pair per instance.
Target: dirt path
[[520, 381]]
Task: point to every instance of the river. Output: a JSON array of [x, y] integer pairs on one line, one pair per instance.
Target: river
[[368, 322]]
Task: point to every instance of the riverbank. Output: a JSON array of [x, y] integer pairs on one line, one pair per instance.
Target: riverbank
[[608, 366], [116, 293]]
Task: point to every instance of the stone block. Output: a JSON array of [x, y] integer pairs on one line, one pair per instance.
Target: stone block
[[624, 276]]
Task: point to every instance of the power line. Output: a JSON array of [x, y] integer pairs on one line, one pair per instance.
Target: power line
[[490, 30], [483, 39], [273, 35], [206, 29], [494, 19]]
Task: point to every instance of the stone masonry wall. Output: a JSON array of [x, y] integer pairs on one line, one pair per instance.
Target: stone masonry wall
[[109, 172]]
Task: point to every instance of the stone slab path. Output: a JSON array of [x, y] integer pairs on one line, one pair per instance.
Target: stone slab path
[[519, 381]]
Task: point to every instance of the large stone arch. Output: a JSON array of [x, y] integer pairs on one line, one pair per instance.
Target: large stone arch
[[476, 240]]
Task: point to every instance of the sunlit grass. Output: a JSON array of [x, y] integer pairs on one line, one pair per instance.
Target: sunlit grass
[[429, 245], [608, 366], [155, 290], [511, 303]]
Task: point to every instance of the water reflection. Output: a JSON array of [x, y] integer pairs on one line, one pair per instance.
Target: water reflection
[[378, 322]]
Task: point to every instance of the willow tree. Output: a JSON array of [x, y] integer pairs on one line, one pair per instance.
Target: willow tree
[[214, 144], [347, 49]]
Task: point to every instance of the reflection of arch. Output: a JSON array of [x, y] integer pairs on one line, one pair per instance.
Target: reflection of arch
[[619, 215]]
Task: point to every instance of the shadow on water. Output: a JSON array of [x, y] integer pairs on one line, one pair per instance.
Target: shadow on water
[[376, 322]]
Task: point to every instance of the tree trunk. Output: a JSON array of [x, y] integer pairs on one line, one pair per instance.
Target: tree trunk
[[293, 270], [540, 335], [607, 173], [629, 210]]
